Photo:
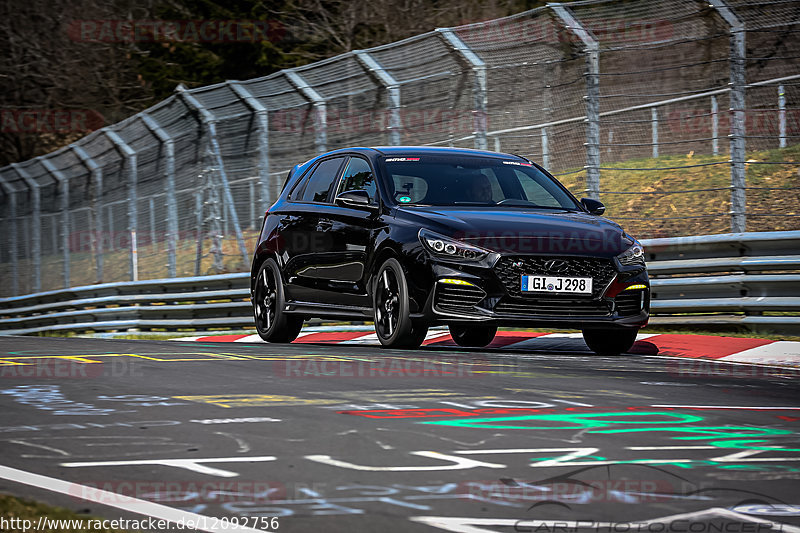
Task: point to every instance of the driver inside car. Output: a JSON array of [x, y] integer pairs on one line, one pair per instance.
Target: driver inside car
[[480, 188]]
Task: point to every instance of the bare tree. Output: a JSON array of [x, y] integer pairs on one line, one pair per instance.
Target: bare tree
[[59, 76]]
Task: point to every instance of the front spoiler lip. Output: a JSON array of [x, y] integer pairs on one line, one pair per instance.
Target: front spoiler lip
[[576, 322]]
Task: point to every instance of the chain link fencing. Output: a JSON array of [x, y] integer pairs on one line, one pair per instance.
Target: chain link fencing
[[683, 117]]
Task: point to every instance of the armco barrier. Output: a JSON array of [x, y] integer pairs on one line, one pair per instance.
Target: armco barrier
[[729, 279], [705, 280]]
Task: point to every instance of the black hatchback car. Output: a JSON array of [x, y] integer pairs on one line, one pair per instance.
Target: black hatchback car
[[412, 237]]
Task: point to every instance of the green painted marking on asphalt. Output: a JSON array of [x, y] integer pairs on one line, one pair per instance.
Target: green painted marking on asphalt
[[581, 421]]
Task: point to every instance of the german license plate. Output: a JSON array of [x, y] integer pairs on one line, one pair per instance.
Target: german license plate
[[556, 284]]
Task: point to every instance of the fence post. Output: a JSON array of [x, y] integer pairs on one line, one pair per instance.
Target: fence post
[[97, 179], [172, 203], [211, 126], [36, 223], [129, 154], [545, 150], [198, 212], [392, 86], [781, 117], [320, 109], [737, 103], [63, 183], [592, 51], [13, 252], [714, 126], [480, 98], [151, 208], [654, 128], [262, 116]]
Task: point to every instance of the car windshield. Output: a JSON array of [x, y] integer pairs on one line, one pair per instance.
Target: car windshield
[[472, 181]]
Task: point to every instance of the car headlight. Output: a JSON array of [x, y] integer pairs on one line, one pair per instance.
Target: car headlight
[[445, 247], [633, 256]]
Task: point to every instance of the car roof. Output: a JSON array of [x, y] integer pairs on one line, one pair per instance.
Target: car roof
[[441, 150], [422, 150]]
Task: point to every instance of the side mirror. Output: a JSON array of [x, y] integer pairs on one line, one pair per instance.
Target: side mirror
[[595, 207], [355, 199]]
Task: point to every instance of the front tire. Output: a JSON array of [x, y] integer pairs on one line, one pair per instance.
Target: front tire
[[391, 308], [272, 323], [473, 336], [610, 342]]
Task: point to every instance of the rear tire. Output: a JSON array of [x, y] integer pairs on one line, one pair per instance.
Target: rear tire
[[390, 304], [610, 342], [473, 336], [272, 323]]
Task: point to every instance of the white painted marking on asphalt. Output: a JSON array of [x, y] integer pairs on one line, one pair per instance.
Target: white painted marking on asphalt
[[784, 352], [251, 338], [459, 463], [189, 464], [243, 446], [40, 446], [126, 503], [577, 452], [436, 334], [370, 338], [236, 420], [729, 407], [742, 457]]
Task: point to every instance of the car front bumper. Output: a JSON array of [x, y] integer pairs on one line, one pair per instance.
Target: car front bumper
[[460, 294]]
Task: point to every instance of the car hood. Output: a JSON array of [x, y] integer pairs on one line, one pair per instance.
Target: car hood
[[523, 231]]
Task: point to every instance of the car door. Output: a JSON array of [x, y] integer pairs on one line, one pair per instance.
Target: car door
[[305, 244], [351, 235]]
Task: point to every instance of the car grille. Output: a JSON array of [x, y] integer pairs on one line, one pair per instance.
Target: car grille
[[629, 303], [457, 297], [552, 307], [510, 270]]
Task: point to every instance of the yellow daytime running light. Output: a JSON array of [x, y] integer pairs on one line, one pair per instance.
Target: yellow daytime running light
[[453, 281], [635, 287]]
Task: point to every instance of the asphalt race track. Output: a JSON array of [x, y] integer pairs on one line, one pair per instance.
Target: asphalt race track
[[354, 438]]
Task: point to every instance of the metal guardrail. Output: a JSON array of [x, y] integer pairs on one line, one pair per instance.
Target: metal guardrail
[[750, 274]]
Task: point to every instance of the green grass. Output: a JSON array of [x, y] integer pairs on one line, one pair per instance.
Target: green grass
[[669, 215], [16, 508]]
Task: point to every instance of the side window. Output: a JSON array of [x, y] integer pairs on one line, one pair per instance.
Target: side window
[[358, 176], [535, 192], [321, 181]]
